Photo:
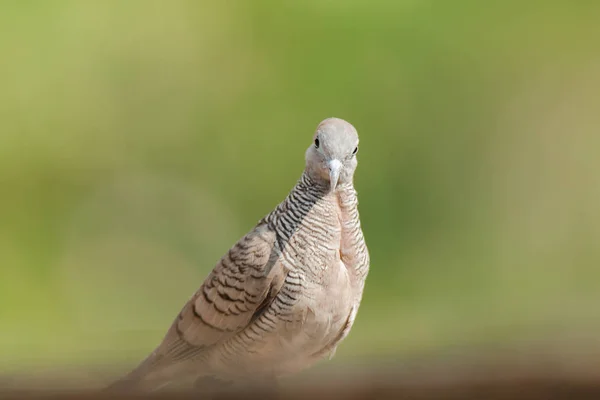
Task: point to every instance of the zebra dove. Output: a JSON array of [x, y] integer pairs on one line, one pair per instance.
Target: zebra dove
[[284, 295]]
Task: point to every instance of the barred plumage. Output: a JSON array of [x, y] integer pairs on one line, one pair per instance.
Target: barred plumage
[[285, 294]]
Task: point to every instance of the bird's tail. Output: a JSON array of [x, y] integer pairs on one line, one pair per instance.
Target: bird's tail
[[155, 373], [139, 378], [131, 384]]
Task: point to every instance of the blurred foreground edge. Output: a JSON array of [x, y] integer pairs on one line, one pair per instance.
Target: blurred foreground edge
[[518, 390], [491, 389], [505, 375]]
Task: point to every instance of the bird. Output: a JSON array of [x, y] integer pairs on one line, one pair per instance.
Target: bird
[[286, 294]]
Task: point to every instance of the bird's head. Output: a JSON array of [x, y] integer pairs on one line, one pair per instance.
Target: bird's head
[[331, 157]]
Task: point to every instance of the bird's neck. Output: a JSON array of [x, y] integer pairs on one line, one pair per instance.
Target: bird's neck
[[343, 203], [342, 199], [309, 192], [321, 187], [337, 210]]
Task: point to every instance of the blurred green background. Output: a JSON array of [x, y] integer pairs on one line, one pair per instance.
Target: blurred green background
[[140, 139]]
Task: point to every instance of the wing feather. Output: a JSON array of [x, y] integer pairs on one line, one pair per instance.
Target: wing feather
[[240, 286]]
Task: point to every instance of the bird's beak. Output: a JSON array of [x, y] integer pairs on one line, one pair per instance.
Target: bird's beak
[[335, 167]]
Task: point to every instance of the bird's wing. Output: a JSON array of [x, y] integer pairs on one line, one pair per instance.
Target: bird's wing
[[239, 288]]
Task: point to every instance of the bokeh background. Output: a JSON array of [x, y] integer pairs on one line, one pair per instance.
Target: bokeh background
[[140, 139]]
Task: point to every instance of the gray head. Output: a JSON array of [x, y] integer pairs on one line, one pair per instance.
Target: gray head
[[331, 158]]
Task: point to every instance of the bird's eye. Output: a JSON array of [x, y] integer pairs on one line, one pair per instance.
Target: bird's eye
[[317, 143], [355, 150]]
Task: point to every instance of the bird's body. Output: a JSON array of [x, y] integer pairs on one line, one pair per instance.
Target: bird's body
[[285, 294]]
